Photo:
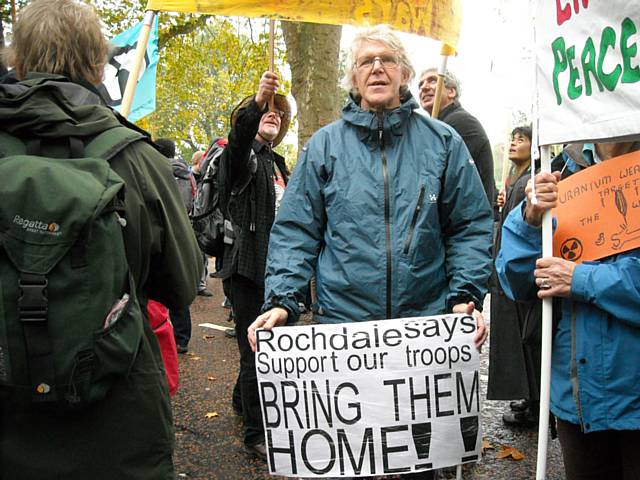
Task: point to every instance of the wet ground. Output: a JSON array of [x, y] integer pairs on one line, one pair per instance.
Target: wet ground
[[208, 433]]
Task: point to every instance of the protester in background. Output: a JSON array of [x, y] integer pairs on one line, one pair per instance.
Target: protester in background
[[594, 372], [514, 355], [180, 318], [468, 126], [425, 252], [196, 164], [255, 176], [58, 51]]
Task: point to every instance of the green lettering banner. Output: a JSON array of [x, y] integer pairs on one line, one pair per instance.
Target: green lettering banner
[[588, 70]]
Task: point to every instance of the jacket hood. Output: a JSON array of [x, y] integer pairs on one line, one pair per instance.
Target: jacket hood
[[367, 121], [53, 106]]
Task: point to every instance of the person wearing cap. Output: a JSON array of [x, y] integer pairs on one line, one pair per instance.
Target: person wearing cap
[[255, 177]]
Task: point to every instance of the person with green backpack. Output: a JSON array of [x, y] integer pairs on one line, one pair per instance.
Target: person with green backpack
[[91, 226]]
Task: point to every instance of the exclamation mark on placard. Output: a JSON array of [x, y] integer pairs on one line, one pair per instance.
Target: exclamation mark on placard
[[421, 433], [469, 431]]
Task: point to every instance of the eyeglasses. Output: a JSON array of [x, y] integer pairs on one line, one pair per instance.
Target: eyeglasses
[[387, 61], [279, 113]]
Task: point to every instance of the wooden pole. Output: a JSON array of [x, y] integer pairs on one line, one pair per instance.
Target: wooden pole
[[435, 111], [13, 12], [446, 51], [505, 168], [547, 333], [132, 82], [272, 61]]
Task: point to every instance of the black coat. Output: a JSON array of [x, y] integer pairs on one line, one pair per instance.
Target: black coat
[[477, 142], [515, 329], [250, 167]]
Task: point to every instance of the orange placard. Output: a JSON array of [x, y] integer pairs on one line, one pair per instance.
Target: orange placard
[[598, 210]]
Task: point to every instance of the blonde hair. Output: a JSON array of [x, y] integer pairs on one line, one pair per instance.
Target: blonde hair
[[381, 34], [60, 37]]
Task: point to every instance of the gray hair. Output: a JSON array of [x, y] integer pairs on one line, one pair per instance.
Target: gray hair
[[450, 80], [381, 34]]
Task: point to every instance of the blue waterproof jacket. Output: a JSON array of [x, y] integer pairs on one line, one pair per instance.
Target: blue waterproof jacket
[[389, 212], [595, 370]]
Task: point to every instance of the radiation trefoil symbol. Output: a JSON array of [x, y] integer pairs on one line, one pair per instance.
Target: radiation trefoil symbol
[[571, 249]]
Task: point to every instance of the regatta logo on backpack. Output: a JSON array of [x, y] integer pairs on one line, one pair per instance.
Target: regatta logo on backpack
[[36, 226], [70, 323]]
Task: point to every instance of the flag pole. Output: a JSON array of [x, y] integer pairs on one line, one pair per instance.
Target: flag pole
[[132, 81], [505, 168], [446, 51], [272, 62], [547, 333]]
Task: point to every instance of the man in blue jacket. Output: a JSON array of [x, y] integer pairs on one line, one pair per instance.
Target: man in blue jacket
[[595, 372], [385, 206]]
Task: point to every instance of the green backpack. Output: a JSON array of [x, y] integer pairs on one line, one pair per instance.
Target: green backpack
[[70, 322]]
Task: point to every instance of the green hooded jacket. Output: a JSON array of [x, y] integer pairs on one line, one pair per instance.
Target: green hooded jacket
[[129, 434]]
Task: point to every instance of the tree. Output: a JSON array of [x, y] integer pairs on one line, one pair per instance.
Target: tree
[[313, 53], [6, 20], [201, 77]]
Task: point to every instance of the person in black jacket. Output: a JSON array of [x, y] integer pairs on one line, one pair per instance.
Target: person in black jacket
[[468, 126], [255, 177], [514, 355]]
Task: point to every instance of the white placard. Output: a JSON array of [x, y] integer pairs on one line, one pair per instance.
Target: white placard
[[588, 78], [370, 398]]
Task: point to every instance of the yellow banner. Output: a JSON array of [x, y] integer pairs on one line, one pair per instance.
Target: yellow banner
[[438, 19]]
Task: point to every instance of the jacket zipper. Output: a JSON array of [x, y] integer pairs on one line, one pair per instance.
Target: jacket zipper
[[387, 215], [414, 220]]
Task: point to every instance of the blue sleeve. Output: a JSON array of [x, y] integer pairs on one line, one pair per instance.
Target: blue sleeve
[[520, 247], [611, 286], [467, 225], [296, 235]]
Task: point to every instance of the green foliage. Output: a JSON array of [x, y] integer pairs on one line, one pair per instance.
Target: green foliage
[[202, 76], [207, 65]]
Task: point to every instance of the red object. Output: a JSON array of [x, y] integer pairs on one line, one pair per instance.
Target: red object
[[159, 320]]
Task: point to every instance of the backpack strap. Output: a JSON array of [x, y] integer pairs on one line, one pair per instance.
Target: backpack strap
[[33, 314], [111, 142], [10, 145]]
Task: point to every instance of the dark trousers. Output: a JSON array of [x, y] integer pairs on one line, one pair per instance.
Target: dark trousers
[[609, 454], [181, 320], [247, 298]]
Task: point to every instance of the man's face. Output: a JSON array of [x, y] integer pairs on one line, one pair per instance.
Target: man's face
[[520, 149], [378, 77], [269, 125], [427, 88]]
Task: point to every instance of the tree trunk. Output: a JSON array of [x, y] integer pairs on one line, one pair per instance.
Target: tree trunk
[[313, 52], [3, 69]]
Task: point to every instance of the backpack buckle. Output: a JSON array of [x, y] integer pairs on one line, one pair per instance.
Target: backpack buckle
[[33, 304]]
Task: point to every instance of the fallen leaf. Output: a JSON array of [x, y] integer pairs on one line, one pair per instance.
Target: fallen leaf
[[486, 445], [506, 452], [211, 379], [208, 337], [211, 414], [517, 455], [195, 358]]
